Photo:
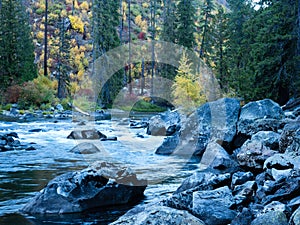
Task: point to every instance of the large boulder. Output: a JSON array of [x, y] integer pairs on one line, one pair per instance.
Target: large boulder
[[158, 215], [100, 185], [86, 134], [213, 207], [263, 115], [213, 121], [163, 123], [271, 218]]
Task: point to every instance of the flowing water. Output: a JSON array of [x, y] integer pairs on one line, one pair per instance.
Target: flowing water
[[24, 173]]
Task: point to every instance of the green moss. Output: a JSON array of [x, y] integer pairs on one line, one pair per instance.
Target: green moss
[[144, 106], [7, 107]]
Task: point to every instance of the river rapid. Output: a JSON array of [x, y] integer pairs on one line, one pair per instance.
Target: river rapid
[[24, 173]]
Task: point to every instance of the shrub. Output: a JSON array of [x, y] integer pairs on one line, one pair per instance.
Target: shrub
[[37, 92], [12, 94]]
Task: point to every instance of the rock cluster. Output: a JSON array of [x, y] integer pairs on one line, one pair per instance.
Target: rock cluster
[[10, 142], [249, 172]]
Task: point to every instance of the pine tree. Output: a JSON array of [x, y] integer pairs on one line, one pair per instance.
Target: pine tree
[[185, 23], [16, 46], [168, 35], [217, 58], [274, 56], [237, 54], [206, 27]]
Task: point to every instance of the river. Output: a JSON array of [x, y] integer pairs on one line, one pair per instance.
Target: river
[[24, 173]]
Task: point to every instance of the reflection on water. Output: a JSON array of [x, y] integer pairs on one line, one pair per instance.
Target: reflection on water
[[23, 173]]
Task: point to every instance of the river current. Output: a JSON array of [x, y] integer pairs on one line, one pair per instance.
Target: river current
[[24, 173]]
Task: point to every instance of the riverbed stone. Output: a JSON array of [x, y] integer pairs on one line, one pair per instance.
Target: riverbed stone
[[100, 185], [159, 215]]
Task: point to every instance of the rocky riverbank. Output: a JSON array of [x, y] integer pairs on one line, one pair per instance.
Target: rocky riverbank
[[249, 169]]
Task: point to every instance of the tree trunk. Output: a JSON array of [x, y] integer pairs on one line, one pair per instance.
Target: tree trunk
[[46, 39], [129, 45]]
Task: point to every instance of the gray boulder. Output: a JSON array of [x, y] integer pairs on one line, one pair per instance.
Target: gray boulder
[[253, 154], [212, 121], [213, 207], [164, 123], [282, 162], [267, 138], [263, 115], [215, 157], [271, 218], [100, 185], [85, 148], [159, 215]]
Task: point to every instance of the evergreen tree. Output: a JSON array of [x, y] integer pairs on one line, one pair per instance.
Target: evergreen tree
[[237, 53], [206, 27], [217, 58], [168, 35], [185, 23], [16, 46], [273, 51], [105, 37]]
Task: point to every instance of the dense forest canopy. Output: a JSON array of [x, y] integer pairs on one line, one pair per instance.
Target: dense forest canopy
[[252, 47]]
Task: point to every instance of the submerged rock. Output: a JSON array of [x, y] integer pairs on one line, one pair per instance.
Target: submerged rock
[[85, 148], [100, 185]]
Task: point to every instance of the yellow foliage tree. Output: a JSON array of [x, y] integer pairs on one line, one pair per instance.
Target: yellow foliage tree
[[76, 23], [187, 90], [84, 5]]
